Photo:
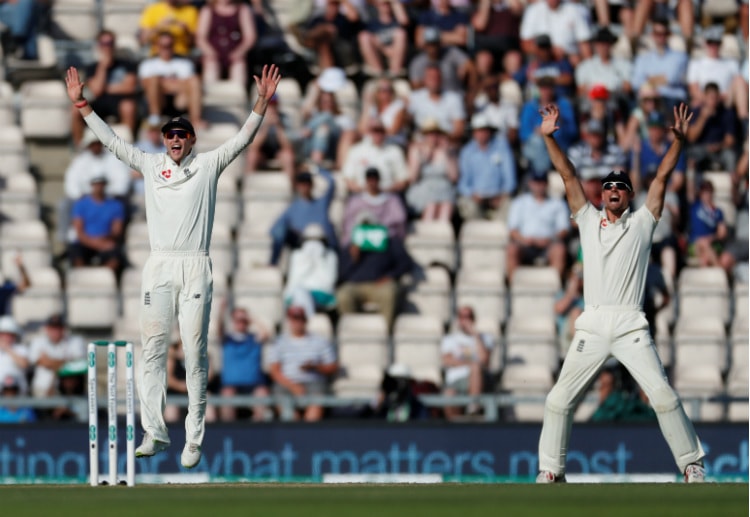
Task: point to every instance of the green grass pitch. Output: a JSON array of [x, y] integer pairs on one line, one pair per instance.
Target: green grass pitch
[[454, 500]]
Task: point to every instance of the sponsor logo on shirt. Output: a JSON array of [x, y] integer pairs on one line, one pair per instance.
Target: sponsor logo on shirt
[[147, 298], [604, 222], [166, 174]]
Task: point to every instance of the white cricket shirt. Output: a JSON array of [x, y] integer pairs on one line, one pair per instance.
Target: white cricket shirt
[[615, 255], [180, 199]]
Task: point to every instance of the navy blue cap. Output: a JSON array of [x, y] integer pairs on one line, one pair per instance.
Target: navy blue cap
[[178, 123], [618, 176]]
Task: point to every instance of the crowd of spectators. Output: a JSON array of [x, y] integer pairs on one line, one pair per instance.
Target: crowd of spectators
[[458, 140]]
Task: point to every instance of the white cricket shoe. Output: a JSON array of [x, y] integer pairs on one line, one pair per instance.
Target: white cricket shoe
[[695, 473], [547, 477], [149, 446], [191, 455]]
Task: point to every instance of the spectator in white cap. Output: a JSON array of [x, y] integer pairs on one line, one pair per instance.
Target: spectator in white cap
[[313, 271], [487, 172], [14, 355]]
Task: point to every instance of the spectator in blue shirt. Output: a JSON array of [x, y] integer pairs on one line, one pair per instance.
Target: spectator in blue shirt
[[11, 388], [708, 231], [303, 210], [652, 151], [98, 222], [532, 144], [663, 68], [242, 370], [487, 171]]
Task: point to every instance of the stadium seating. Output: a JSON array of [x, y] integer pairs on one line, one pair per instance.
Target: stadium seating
[[703, 291], [259, 291], [484, 291], [42, 299], [428, 292], [91, 295], [432, 243], [533, 290], [416, 343], [45, 110]]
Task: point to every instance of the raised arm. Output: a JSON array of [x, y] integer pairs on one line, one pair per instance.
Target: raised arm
[[655, 196], [129, 154], [573, 189]]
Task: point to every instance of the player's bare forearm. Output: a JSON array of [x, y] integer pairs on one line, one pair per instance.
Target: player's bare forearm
[[561, 163], [656, 192]]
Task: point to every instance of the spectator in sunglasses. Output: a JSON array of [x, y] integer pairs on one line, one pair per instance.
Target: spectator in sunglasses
[[180, 194], [616, 245]]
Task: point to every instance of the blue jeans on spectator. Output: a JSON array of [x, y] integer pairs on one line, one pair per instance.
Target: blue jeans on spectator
[[21, 19]]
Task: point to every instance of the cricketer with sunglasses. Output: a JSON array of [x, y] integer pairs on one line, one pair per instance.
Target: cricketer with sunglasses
[[616, 244], [180, 192]]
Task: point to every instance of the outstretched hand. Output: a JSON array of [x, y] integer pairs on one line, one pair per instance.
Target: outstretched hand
[[681, 121], [74, 85], [550, 115], [268, 81]]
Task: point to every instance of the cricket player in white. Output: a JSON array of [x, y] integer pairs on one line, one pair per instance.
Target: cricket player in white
[[616, 246], [180, 193]]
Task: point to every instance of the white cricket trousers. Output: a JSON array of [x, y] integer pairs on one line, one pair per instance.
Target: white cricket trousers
[[620, 331], [181, 284]]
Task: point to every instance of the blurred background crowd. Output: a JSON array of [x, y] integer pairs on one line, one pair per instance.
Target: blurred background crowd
[[395, 229]]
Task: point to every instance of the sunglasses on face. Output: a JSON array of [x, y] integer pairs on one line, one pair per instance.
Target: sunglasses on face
[[106, 43], [179, 133], [619, 185]]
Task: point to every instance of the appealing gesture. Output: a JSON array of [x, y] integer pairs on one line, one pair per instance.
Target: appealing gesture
[[268, 80], [550, 114], [681, 121], [74, 85]]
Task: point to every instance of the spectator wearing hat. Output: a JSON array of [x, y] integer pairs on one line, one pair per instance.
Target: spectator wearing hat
[[503, 114], [601, 106], [567, 24], [384, 40], [14, 355], [271, 142], [170, 84], [10, 286], [652, 151], [432, 101], [496, 25], [433, 172], [312, 274], [242, 343], [50, 352], [532, 144], [539, 226], [664, 68], [636, 128], [707, 231], [386, 208], [487, 172], [94, 160], [711, 133], [710, 67], [545, 64], [302, 363], [374, 151], [465, 356], [113, 82], [613, 73], [98, 221], [457, 69], [303, 210], [595, 156], [370, 268]]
